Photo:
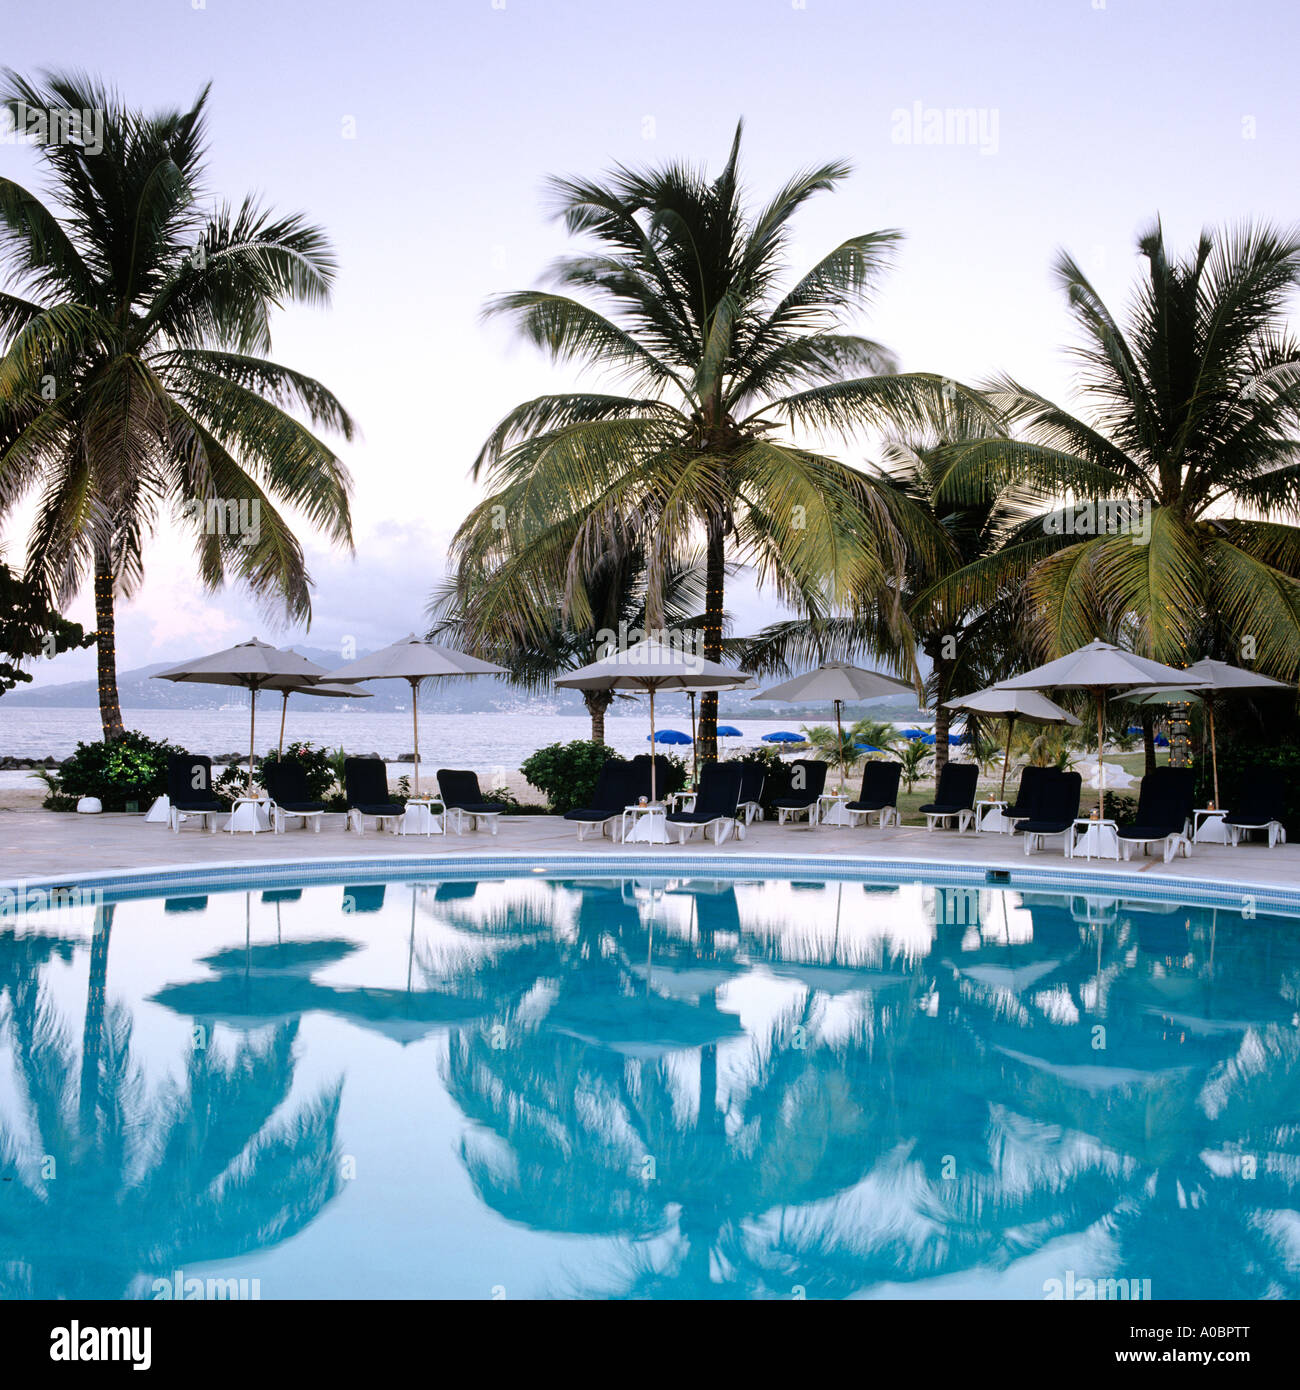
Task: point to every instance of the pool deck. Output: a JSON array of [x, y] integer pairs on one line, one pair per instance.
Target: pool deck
[[44, 845]]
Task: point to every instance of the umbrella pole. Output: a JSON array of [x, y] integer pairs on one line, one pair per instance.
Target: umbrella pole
[[1214, 752], [415, 720], [1006, 757], [1101, 766], [284, 709], [652, 744], [695, 745], [839, 729], [252, 726]]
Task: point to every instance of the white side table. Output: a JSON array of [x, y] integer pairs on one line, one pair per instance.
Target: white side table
[[422, 819], [682, 801], [1208, 827], [989, 819], [1093, 838], [649, 824], [248, 813], [831, 809]]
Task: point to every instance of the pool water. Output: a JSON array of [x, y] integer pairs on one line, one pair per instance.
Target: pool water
[[656, 1088]]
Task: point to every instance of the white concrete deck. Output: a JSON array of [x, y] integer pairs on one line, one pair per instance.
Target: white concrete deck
[[38, 845]]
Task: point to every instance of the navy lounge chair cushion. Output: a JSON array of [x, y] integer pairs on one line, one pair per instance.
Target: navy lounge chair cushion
[[189, 783], [718, 796], [1262, 798], [879, 787], [287, 783], [1165, 801], [814, 783], [1030, 779], [956, 790], [1056, 804], [460, 792], [610, 797], [365, 782]]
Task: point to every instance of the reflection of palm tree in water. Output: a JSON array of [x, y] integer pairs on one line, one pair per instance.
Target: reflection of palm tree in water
[[798, 1116], [1192, 1093], [115, 1183]]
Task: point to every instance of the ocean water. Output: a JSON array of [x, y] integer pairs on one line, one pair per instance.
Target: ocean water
[[485, 742], [650, 1087]]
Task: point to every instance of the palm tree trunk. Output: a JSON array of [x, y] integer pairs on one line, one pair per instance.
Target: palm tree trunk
[[1149, 741], [92, 1038], [597, 702], [941, 679], [715, 570], [942, 721], [110, 708]]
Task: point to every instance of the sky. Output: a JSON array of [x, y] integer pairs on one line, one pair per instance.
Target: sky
[[420, 136]]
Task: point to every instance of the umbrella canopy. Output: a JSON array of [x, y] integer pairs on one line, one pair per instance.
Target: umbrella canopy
[[1206, 679], [413, 660], [836, 682], [915, 733], [330, 692], [1012, 705], [253, 665], [653, 666], [669, 736], [728, 731], [784, 736], [1100, 667]]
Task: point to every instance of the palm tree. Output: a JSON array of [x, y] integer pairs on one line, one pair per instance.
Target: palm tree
[[968, 645], [722, 362], [1192, 427], [515, 616], [134, 374]]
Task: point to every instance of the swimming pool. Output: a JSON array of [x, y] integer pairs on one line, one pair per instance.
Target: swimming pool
[[553, 1086]]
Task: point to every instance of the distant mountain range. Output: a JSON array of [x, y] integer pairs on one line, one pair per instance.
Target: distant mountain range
[[485, 694]]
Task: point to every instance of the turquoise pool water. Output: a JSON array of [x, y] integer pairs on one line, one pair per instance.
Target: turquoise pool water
[[535, 1087]]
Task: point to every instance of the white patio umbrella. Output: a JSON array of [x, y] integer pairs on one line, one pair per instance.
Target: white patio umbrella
[[653, 666], [253, 665], [413, 660], [1101, 668], [836, 682], [1206, 679], [332, 692], [1012, 705]]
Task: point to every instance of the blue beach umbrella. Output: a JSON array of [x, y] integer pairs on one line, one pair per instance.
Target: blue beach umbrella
[[729, 731], [784, 736], [914, 733], [668, 736], [866, 748], [929, 740]]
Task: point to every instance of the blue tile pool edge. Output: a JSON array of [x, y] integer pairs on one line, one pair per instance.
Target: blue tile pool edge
[[120, 885]]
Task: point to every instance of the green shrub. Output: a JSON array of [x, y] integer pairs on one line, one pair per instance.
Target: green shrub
[[316, 763], [131, 767], [566, 773], [1118, 808]]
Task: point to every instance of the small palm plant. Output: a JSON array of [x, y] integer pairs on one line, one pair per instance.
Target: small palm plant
[[913, 756]]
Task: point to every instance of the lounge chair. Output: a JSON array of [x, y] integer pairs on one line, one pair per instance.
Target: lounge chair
[[609, 800], [955, 797], [879, 794], [286, 784], [639, 778], [189, 791], [1030, 779], [1164, 813], [365, 784], [717, 805], [1054, 810], [753, 779], [1263, 804], [808, 781], [465, 802]]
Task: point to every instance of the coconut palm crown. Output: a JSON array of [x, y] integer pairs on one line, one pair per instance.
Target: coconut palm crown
[[1182, 490], [723, 362]]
